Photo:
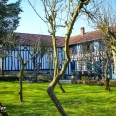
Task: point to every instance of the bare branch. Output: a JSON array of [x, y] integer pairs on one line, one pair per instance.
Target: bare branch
[[37, 12]]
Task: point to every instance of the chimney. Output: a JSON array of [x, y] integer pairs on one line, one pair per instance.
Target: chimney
[[82, 31]]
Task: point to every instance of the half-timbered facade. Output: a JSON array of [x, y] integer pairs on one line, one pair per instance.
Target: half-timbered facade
[[84, 48], [26, 49]]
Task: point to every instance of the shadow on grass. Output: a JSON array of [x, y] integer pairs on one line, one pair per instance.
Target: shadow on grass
[[28, 108]]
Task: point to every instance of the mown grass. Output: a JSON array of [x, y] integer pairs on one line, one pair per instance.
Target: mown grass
[[79, 100]]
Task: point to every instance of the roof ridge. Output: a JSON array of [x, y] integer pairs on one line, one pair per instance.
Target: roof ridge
[[36, 34]]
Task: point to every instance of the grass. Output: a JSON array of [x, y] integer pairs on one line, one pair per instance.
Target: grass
[[79, 100]]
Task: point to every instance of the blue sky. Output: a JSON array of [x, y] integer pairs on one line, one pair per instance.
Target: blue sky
[[31, 23]]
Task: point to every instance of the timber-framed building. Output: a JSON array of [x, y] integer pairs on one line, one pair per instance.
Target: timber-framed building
[[85, 48]]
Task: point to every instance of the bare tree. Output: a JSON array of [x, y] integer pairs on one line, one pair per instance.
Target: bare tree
[[40, 48], [105, 22], [10, 44], [50, 62], [54, 11]]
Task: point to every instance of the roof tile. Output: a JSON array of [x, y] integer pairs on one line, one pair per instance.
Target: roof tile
[[30, 39], [94, 35]]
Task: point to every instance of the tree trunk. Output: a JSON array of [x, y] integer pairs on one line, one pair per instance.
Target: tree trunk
[[107, 81], [20, 92], [61, 87], [51, 75], [38, 68], [21, 86], [55, 100], [107, 78], [35, 66], [34, 72], [58, 75]]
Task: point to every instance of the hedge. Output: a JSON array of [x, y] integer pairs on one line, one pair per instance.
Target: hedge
[[9, 78]]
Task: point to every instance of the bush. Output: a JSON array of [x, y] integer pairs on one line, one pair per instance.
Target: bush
[[8, 78], [95, 82], [79, 82], [43, 77], [24, 74], [112, 83], [84, 78], [100, 83]]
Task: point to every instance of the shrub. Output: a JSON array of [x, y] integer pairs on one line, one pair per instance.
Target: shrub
[[24, 74], [79, 82], [112, 83], [100, 83], [8, 78], [84, 78], [93, 82], [43, 77]]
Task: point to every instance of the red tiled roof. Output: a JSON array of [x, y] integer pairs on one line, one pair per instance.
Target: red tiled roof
[[30, 39], [94, 35]]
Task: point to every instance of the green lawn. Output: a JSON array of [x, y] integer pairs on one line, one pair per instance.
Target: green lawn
[[79, 100]]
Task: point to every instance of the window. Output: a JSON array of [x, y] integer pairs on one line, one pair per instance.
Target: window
[[72, 65], [100, 45], [92, 47], [81, 49], [75, 49], [87, 47]]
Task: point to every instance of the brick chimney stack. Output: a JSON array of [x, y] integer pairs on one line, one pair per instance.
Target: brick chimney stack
[[82, 31]]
